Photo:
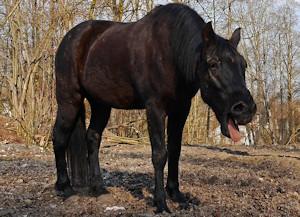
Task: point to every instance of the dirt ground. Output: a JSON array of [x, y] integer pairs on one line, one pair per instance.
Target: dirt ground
[[218, 180]]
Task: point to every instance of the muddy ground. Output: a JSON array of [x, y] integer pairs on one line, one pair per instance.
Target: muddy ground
[[219, 181]]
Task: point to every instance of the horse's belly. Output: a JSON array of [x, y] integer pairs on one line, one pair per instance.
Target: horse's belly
[[113, 92], [121, 100]]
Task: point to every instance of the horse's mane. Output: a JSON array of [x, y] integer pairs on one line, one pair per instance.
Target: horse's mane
[[186, 26]]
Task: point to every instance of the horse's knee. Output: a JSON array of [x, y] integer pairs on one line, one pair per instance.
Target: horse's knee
[[159, 158]]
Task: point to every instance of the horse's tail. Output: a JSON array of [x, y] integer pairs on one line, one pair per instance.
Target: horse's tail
[[77, 152]]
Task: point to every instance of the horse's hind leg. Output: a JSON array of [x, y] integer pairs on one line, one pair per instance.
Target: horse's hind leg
[[99, 118], [66, 117]]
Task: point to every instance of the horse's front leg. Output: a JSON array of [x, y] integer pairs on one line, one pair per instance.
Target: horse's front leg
[[156, 125], [176, 121]]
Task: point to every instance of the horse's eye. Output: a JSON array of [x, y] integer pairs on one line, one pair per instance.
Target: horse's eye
[[213, 69], [213, 66]]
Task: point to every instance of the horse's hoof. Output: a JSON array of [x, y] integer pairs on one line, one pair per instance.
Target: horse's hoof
[[161, 207], [184, 205], [97, 190], [176, 196], [64, 192]]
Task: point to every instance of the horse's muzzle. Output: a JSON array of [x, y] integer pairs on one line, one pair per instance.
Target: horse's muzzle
[[243, 111]]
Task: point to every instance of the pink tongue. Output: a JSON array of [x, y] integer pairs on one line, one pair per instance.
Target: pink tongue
[[234, 133]]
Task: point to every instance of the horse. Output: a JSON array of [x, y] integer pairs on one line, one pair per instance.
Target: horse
[[158, 64]]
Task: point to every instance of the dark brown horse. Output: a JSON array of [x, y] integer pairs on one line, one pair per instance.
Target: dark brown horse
[[157, 63]]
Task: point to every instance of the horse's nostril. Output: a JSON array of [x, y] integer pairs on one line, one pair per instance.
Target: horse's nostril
[[239, 108]]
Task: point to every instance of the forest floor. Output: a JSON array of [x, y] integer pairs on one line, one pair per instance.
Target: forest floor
[[218, 180]]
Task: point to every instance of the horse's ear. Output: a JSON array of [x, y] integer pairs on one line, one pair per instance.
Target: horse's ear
[[208, 34], [236, 37]]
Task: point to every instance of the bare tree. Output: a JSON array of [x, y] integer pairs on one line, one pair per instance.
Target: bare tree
[[31, 31]]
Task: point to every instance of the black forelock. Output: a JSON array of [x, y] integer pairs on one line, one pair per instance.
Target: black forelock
[[223, 49], [224, 45]]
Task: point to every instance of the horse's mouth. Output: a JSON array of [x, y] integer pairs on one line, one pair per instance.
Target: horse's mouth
[[230, 129]]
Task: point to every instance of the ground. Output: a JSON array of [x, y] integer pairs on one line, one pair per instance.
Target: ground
[[219, 181]]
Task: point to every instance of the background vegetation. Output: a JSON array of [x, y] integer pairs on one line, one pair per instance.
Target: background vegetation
[[30, 32]]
